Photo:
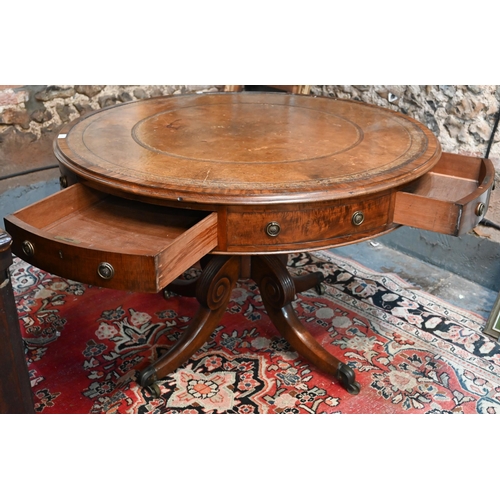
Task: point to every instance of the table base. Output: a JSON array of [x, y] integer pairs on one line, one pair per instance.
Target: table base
[[213, 289]]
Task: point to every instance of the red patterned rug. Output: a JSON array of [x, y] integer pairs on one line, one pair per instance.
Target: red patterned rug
[[411, 352]]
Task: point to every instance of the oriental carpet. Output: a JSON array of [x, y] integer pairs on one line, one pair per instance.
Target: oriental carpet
[[412, 353]]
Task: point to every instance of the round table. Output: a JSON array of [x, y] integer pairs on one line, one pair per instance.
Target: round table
[[283, 173], [234, 182], [247, 149]]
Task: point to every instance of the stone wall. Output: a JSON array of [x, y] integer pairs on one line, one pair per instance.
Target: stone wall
[[31, 116], [461, 116]]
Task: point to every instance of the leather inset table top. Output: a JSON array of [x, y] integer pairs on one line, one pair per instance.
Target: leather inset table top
[[247, 148]]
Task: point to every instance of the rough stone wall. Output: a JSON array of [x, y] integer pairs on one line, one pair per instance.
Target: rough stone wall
[[461, 116], [31, 116]]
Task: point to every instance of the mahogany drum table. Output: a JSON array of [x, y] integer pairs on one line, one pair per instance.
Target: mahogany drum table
[[236, 181]]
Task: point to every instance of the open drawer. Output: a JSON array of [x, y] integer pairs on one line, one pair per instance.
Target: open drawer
[[450, 199], [99, 239]]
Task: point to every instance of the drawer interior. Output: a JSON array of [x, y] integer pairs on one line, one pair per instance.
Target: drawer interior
[[111, 223], [447, 199], [453, 178], [148, 246]]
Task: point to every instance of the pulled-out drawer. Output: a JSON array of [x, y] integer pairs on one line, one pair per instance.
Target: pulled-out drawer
[[99, 239], [450, 199]]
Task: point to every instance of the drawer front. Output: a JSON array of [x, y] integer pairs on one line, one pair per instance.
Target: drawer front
[[90, 266], [83, 235], [450, 199], [272, 229]]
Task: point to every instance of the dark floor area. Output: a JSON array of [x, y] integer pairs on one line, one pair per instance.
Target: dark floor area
[[443, 284]]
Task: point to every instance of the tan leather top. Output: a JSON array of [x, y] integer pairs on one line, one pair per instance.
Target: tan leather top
[[247, 148]]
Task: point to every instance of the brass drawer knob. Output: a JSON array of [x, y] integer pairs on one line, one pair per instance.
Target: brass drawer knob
[[28, 248], [105, 270], [273, 229], [480, 209], [358, 218]]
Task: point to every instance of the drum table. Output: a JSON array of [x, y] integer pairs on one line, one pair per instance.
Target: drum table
[[236, 181]]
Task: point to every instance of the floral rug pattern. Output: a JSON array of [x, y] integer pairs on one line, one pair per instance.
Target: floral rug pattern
[[411, 352]]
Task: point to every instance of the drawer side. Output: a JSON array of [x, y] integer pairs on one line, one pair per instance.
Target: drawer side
[[186, 250]]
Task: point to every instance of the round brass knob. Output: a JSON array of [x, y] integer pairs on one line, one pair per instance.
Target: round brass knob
[[28, 248], [480, 209], [63, 181], [358, 218], [273, 229], [105, 270]]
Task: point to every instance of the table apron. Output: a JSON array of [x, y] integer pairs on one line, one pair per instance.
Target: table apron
[[295, 227]]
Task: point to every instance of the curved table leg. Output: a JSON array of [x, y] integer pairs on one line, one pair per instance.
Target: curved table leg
[[278, 291], [213, 291], [312, 280], [303, 283]]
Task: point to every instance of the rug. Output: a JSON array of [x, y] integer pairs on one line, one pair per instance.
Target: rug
[[411, 352]]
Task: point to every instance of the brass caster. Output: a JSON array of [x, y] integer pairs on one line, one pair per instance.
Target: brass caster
[[154, 390], [345, 376], [147, 377]]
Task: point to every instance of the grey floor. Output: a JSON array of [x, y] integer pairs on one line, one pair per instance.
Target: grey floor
[[440, 283]]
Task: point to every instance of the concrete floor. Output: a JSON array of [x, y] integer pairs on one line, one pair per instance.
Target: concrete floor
[[432, 279]]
